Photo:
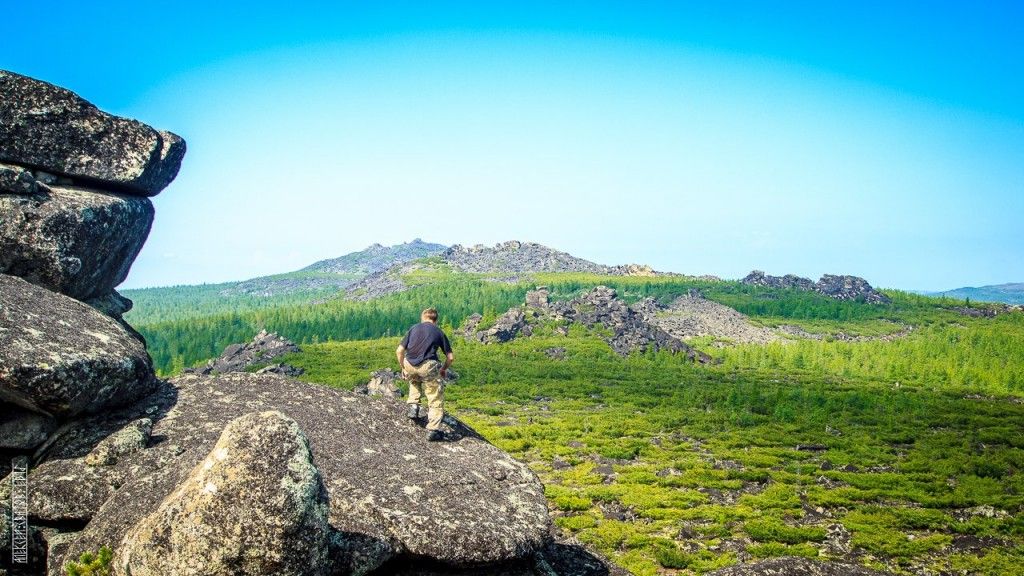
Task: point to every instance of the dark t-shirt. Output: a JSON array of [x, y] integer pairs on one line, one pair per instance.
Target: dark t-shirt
[[422, 342]]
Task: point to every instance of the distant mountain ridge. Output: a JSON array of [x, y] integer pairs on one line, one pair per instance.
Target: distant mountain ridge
[[1010, 293], [376, 258]]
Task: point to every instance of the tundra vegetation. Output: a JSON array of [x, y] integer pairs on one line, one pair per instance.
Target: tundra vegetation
[[903, 453]]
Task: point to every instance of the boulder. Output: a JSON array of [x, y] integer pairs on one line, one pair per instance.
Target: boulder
[[17, 180], [788, 566], [22, 429], [383, 383], [537, 299], [61, 357], [75, 241], [392, 493], [255, 505], [46, 127], [239, 357]]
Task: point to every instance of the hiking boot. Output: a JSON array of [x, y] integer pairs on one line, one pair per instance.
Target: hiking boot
[[435, 436], [414, 411]]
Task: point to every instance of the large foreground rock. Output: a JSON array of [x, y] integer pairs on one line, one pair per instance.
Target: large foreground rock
[[255, 505], [59, 356], [51, 128], [75, 241], [391, 492]]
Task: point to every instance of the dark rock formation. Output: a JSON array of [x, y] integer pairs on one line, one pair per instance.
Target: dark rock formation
[[46, 127], [795, 567], [238, 357], [391, 492], [74, 241], [834, 286], [506, 327], [61, 357], [255, 505]]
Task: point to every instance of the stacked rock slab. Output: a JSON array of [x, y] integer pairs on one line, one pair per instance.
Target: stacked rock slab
[[74, 213], [390, 494]]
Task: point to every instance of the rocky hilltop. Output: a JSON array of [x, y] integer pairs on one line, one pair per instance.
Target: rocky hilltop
[[514, 257], [840, 287], [208, 473], [376, 258]]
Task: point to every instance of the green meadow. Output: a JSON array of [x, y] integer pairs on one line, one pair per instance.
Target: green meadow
[[902, 454]]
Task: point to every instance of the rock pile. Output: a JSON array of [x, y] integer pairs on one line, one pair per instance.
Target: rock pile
[[840, 287], [631, 329], [693, 316], [265, 346], [74, 213]]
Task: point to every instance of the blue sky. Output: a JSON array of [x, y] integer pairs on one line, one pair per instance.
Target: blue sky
[[878, 139]]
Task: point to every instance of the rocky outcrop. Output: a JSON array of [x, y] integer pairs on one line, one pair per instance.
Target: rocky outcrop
[[796, 567], [75, 241], [834, 286], [61, 357], [210, 525], [630, 330], [46, 127], [391, 493], [265, 346], [377, 258], [507, 326], [514, 257]]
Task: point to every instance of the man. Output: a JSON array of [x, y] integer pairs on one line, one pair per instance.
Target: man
[[417, 357]]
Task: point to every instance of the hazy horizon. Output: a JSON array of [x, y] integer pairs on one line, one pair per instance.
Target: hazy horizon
[[876, 140]]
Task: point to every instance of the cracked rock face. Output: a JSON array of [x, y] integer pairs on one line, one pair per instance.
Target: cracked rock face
[[75, 241], [391, 492], [61, 357], [256, 505], [51, 128]]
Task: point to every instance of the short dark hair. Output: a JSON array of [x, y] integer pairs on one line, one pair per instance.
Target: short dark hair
[[430, 314]]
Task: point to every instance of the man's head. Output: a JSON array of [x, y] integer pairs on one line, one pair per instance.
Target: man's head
[[429, 315]]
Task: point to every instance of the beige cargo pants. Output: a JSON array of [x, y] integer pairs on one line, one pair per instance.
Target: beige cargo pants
[[425, 380]]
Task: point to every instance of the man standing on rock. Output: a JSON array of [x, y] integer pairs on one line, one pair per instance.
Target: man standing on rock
[[417, 356]]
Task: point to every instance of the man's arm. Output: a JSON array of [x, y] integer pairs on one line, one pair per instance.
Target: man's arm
[[446, 347], [400, 353]]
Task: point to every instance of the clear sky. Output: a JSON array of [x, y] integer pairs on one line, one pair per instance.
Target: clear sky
[[884, 139]]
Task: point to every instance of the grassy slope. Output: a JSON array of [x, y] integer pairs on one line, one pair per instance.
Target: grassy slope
[[706, 458]]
